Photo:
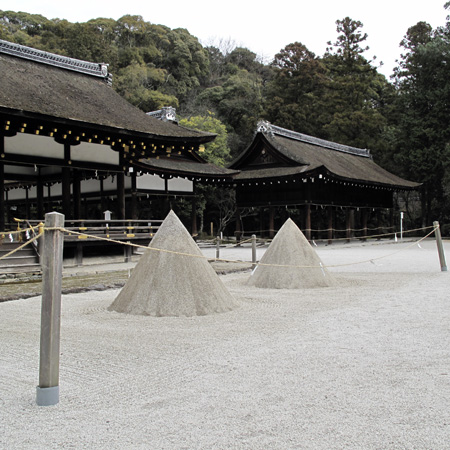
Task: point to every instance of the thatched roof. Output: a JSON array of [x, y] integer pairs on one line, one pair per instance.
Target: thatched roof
[[184, 168], [287, 153], [40, 84]]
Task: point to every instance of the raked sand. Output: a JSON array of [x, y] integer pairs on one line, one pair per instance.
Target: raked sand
[[363, 365]]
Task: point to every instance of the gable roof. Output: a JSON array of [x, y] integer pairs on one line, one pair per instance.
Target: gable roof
[[36, 84], [276, 152]]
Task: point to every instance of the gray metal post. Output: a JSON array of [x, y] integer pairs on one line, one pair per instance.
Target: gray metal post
[[47, 393], [218, 247], [253, 251], [440, 247]]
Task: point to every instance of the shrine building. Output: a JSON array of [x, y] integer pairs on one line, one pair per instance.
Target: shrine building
[[283, 168], [69, 142]]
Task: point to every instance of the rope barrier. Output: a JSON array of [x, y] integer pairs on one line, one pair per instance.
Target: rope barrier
[[64, 230], [243, 262], [389, 254], [374, 235], [22, 246]]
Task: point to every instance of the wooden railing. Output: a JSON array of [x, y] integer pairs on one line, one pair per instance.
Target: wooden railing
[[114, 229], [87, 232]]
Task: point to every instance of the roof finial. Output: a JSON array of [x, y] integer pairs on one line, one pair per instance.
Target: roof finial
[[264, 127]]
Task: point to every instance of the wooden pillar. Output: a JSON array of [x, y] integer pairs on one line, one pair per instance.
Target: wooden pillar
[[391, 221], [262, 221], [271, 222], [2, 195], [49, 197], [364, 220], [27, 203], [121, 196], [104, 207], [350, 221], [134, 210], [330, 224], [77, 214], [238, 232], [40, 197], [194, 229], [379, 227], [308, 221], [66, 195]]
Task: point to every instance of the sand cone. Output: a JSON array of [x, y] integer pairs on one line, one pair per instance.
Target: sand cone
[[290, 248], [173, 284]]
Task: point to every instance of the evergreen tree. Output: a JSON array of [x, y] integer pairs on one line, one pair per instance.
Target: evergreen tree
[[353, 106], [423, 132]]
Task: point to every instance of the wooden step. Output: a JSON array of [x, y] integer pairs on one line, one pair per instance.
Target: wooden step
[[22, 268], [22, 260]]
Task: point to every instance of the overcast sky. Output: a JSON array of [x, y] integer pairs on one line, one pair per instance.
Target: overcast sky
[[263, 27]]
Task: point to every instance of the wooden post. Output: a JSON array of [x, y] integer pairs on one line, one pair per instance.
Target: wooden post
[[253, 251], [47, 393], [440, 247]]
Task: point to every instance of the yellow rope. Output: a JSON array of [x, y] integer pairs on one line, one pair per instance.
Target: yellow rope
[[390, 254], [22, 246], [242, 262], [22, 230]]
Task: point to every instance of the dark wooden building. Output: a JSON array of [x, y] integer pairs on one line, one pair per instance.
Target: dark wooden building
[[67, 139], [282, 168]]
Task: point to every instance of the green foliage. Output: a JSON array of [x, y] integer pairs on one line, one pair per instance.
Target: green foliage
[[422, 129], [338, 96], [216, 152], [354, 96], [294, 95]]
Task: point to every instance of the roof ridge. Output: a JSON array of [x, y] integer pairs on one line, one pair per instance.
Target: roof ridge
[[99, 70], [268, 128]]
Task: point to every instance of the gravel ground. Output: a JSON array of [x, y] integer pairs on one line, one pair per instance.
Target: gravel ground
[[364, 365]]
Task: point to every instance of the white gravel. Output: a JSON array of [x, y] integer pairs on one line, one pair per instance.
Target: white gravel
[[364, 365]]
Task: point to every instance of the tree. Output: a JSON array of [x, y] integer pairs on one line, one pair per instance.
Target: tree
[[423, 132], [355, 92], [219, 201], [293, 96], [216, 152]]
